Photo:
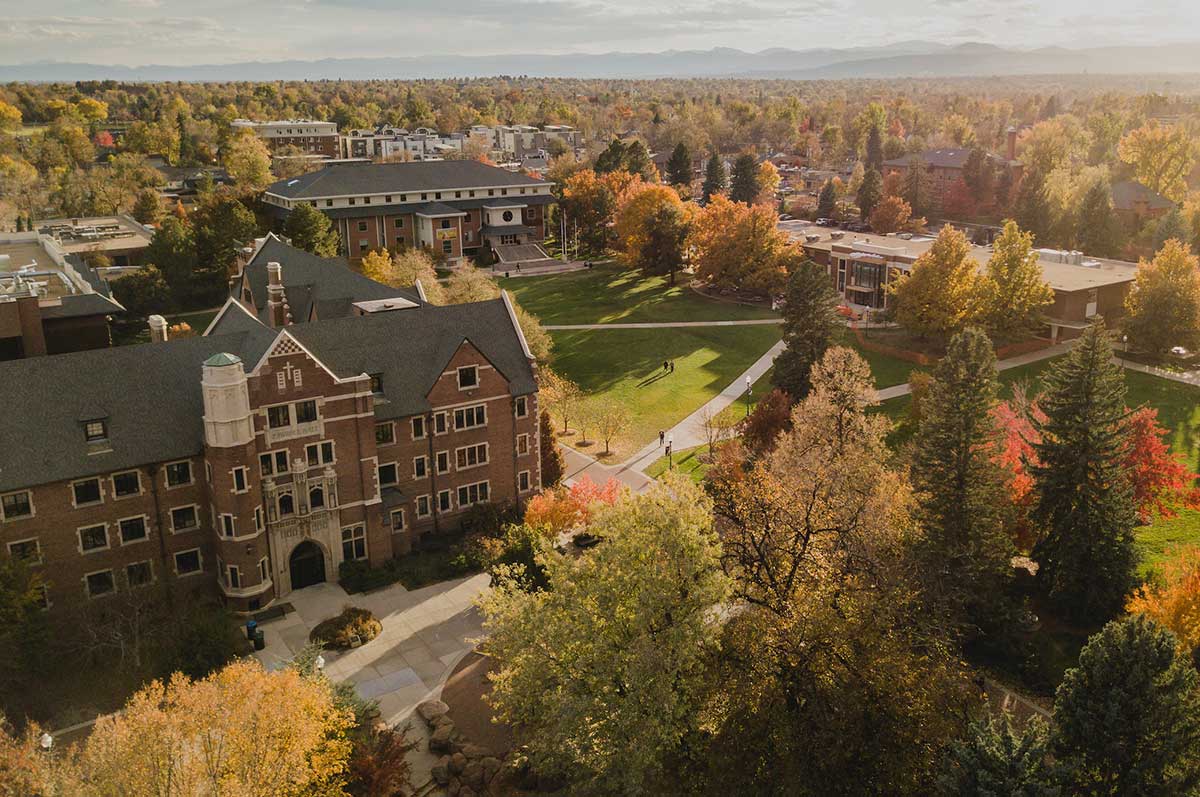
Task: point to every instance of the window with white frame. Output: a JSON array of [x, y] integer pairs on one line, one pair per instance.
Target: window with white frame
[[279, 416], [86, 492], [14, 506], [442, 459], [95, 431], [444, 503], [385, 433], [468, 377], [469, 494], [354, 543], [286, 504], [420, 467], [319, 453], [522, 444], [93, 538], [397, 520], [132, 529], [264, 572], [185, 518], [240, 482], [99, 583], [274, 462], [523, 481], [126, 484], [316, 497], [471, 456], [188, 562], [306, 411], [234, 577], [388, 475], [179, 473], [139, 574], [422, 504], [470, 417], [258, 518], [28, 551], [418, 428], [440, 422], [228, 525], [522, 406]]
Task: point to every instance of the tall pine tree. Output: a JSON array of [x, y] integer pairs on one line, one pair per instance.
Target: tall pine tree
[[715, 180], [827, 200], [809, 321], [1084, 500], [666, 231], [874, 149], [679, 167], [870, 191], [967, 554], [1097, 230], [1031, 208], [743, 183]]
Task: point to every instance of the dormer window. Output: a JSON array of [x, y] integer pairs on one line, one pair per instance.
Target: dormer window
[[377, 384], [468, 377], [95, 431]]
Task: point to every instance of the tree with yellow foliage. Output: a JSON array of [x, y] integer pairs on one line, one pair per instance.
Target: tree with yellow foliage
[[247, 160], [1175, 602], [940, 295], [1162, 156], [1164, 305], [637, 208], [737, 246], [1014, 293]]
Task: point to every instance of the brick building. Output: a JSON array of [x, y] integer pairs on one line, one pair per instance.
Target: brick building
[[453, 207], [260, 456], [862, 266], [307, 135], [944, 168], [1134, 204]]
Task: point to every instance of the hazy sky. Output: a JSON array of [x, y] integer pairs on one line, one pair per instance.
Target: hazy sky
[[136, 32]]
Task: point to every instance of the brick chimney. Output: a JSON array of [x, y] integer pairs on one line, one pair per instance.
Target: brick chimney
[[278, 311], [1012, 143], [158, 328]]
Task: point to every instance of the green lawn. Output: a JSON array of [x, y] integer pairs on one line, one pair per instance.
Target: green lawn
[[687, 462], [761, 387], [626, 365], [609, 293], [139, 332], [887, 370]]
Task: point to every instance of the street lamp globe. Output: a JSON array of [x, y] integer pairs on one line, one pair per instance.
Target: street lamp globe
[[320, 662], [46, 741]]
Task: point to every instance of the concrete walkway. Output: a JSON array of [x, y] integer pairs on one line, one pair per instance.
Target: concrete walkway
[[578, 464], [1003, 365], [1187, 377], [425, 634], [668, 324]]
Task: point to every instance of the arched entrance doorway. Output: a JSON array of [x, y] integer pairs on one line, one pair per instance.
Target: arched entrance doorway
[[307, 565]]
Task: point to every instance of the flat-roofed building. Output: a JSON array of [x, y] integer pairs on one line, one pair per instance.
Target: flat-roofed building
[[120, 238], [308, 135]]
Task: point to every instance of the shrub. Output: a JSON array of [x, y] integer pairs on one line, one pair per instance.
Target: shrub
[[340, 632], [489, 518]]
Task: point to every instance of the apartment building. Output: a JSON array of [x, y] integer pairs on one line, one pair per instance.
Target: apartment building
[[862, 266], [944, 168], [452, 207], [257, 458], [309, 136]]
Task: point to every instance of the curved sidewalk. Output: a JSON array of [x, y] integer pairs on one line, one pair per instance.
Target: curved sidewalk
[[666, 324]]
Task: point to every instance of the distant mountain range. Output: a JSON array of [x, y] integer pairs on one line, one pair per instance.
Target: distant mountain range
[[904, 59]]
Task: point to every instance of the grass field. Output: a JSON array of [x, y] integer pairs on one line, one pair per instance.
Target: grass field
[[609, 293], [687, 462], [626, 365]]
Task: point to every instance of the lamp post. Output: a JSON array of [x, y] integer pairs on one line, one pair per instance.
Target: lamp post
[[670, 448], [749, 390], [1124, 349], [319, 663], [46, 741]]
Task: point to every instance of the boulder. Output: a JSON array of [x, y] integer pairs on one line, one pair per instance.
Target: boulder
[[440, 721], [441, 771], [454, 787], [432, 709], [440, 741], [458, 762], [491, 765], [476, 751], [467, 791], [472, 775]]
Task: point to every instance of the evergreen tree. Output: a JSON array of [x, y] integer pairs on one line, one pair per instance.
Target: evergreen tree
[[1127, 719], [966, 551], [915, 190], [827, 201], [663, 250], [1098, 234], [996, 761], [870, 191], [810, 320], [637, 161], [187, 147], [980, 176], [612, 158], [1172, 225], [714, 178], [1031, 208], [1083, 497], [552, 459], [311, 230], [743, 183], [679, 167], [147, 208], [874, 149], [223, 225], [173, 250]]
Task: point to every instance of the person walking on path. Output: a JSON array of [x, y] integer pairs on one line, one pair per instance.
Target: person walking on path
[[661, 437], [672, 366], [665, 365]]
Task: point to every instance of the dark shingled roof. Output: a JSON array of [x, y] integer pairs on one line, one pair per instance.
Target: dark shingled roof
[[326, 283], [343, 179], [398, 208], [1126, 193], [945, 158], [438, 209], [76, 305], [410, 349], [148, 394]]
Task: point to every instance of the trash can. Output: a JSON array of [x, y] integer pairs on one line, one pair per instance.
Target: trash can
[[251, 628], [259, 641]]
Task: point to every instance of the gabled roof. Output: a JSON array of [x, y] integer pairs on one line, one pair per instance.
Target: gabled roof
[[1127, 193], [327, 285], [944, 158], [347, 179], [411, 348], [148, 394]]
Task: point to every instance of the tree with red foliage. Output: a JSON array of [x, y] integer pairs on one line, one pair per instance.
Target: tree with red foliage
[[562, 509], [958, 202], [1161, 481], [1015, 453], [771, 417], [103, 139]]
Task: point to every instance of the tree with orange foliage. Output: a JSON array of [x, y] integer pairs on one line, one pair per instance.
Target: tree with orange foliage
[[1015, 451], [562, 509], [1175, 602], [1161, 481], [893, 184], [589, 203], [958, 202], [890, 215], [737, 246], [637, 207]]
